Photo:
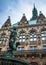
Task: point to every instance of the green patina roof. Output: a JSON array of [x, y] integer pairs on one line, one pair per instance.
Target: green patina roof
[[15, 25], [30, 23]]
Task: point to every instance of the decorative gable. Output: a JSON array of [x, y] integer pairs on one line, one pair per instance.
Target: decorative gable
[[23, 20], [7, 23], [41, 18]]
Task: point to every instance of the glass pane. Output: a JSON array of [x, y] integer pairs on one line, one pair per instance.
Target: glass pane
[[45, 34], [42, 34], [20, 37], [2, 39], [23, 36], [23, 40], [0, 42], [33, 36], [31, 48], [34, 39], [22, 48], [20, 40], [18, 48], [30, 35], [31, 39], [44, 48], [43, 38]]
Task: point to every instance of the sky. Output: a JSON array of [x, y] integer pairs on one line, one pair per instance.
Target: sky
[[16, 8]]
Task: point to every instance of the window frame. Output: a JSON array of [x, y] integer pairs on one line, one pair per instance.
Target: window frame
[[44, 48], [22, 37], [3, 37], [33, 36], [43, 34], [20, 49], [33, 48]]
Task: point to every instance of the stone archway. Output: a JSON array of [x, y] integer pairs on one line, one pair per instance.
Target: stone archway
[[34, 63]]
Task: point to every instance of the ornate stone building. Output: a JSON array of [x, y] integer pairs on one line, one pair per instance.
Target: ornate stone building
[[32, 37]]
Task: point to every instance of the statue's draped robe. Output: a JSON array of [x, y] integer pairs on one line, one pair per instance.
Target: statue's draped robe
[[12, 44]]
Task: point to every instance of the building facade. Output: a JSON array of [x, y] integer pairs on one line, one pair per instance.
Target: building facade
[[32, 37]]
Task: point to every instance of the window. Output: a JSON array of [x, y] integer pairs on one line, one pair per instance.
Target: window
[[44, 47], [20, 49], [33, 48], [22, 37], [33, 36], [2, 38], [43, 35]]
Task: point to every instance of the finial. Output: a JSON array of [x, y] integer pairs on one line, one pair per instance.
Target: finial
[[34, 5], [8, 17], [23, 14], [40, 12]]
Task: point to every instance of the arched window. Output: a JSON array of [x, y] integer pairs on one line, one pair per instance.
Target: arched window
[[22, 37], [43, 34], [2, 38], [33, 36]]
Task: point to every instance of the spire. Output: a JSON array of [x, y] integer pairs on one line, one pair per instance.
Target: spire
[[7, 23], [34, 5], [8, 17], [41, 18], [41, 15], [34, 13], [23, 14]]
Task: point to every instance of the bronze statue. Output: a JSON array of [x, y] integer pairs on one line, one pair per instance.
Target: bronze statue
[[12, 44]]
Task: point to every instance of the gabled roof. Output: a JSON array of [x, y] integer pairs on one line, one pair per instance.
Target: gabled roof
[[7, 23], [30, 22], [41, 16], [15, 25], [23, 18]]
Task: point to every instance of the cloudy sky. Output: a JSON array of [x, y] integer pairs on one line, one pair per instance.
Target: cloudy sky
[[16, 8]]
